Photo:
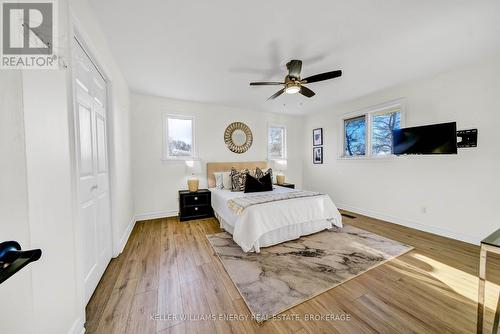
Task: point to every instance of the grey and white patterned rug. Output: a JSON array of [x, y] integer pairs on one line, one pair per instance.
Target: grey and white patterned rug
[[285, 275]]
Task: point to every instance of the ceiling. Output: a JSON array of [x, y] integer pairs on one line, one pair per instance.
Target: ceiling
[[209, 51]]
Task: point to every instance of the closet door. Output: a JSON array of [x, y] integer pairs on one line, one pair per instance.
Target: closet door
[[93, 174]]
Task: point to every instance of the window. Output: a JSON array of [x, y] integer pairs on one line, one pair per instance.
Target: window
[[382, 126], [355, 136], [276, 143], [179, 137], [368, 133]]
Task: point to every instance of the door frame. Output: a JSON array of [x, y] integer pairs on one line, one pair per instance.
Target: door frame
[[77, 32]]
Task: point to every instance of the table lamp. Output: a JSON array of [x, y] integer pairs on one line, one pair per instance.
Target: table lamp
[[193, 167], [280, 166]]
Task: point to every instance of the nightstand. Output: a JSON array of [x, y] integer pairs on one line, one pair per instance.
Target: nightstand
[[286, 185], [195, 205]]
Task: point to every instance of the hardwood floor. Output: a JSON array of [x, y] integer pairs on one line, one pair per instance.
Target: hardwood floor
[[168, 268]]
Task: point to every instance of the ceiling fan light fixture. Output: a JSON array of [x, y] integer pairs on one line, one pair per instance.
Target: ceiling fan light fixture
[[294, 84], [292, 89]]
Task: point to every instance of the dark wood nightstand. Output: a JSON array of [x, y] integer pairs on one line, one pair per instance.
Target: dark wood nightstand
[[195, 205], [286, 185]]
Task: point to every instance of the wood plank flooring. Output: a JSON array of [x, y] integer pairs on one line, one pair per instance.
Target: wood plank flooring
[[169, 268]]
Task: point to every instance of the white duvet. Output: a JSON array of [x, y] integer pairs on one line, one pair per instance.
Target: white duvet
[[271, 223]]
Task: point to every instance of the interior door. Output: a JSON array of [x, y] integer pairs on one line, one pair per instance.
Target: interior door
[[93, 174]]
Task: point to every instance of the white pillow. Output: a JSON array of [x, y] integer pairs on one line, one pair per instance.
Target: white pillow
[[218, 180], [226, 180]]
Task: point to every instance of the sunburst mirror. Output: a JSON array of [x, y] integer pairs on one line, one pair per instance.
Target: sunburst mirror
[[238, 137]]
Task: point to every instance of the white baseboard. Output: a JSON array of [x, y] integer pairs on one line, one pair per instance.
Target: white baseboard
[[408, 223], [156, 215], [77, 327], [123, 240]]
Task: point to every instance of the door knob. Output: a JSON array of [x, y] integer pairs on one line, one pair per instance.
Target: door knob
[[13, 259], [94, 187]]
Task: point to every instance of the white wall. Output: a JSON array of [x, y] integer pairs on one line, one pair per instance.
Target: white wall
[[15, 294], [460, 192], [50, 212], [156, 182], [36, 203]]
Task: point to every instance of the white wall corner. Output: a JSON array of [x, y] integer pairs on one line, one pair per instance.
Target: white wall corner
[[412, 224], [118, 249], [156, 215]]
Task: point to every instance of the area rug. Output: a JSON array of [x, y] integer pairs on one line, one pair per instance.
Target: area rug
[[285, 275]]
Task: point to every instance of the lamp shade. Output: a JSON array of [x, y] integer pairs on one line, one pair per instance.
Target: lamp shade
[[193, 166], [280, 165]]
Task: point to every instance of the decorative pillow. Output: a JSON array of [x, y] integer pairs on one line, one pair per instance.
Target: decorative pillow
[[243, 177], [219, 183], [235, 180], [253, 184], [238, 179], [226, 180], [259, 173]]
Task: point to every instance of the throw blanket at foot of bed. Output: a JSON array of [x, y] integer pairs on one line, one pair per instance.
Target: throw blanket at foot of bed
[[241, 203], [268, 219]]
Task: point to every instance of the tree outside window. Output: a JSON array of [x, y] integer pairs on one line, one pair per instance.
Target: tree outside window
[[382, 126], [276, 142], [355, 136], [370, 132], [179, 137]]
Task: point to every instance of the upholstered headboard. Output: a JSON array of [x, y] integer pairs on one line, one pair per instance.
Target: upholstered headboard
[[214, 167]]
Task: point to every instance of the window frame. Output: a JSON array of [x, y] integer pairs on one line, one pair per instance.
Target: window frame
[[284, 145], [166, 156], [368, 113]]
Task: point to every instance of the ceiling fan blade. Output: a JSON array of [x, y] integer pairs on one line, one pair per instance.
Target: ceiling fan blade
[[322, 76], [266, 83], [294, 67], [275, 95], [306, 91]]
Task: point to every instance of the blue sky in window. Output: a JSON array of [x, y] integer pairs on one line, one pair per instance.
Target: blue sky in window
[[355, 136]]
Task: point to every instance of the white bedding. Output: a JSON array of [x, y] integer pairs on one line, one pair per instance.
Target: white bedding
[[271, 223]]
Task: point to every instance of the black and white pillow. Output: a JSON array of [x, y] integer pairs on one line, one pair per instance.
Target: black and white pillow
[[235, 179], [238, 179], [259, 173]]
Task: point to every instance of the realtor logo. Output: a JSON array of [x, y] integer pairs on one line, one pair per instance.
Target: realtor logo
[[28, 34]]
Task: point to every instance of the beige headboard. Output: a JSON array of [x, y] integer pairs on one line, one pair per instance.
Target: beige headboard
[[214, 167]]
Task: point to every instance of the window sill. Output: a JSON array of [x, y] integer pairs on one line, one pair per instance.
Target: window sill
[[370, 157], [178, 159]]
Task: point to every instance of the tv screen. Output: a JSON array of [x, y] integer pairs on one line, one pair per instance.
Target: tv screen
[[428, 139]]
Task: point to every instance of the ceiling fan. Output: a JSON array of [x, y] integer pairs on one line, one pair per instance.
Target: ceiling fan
[[294, 84]]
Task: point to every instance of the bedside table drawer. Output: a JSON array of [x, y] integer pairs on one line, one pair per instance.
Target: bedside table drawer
[[195, 205], [190, 211], [196, 199]]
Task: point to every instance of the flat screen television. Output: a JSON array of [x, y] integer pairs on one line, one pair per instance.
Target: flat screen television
[[428, 139]]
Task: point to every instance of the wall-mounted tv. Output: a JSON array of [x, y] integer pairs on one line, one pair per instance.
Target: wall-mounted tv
[[428, 139]]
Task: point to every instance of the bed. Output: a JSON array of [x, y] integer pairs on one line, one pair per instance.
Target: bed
[[269, 222]]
